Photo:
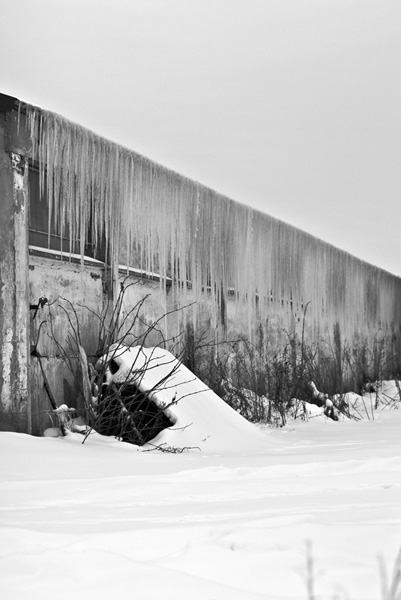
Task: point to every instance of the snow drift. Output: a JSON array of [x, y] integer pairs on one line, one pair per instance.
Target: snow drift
[[106, 519], [199, 418]]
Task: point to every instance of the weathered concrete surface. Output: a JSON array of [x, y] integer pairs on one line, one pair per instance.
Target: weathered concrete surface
[[14, 354], [71, 316], [143, 312]]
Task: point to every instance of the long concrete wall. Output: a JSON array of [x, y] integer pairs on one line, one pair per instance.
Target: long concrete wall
[[311, 286]]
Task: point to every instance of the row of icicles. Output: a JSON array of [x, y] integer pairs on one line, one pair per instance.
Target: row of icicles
[[158, 221]]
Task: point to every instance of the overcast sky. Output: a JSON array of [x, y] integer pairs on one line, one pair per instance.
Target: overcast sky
[[290, 106]]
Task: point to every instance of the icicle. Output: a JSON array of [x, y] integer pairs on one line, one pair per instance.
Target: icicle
[[158, 221]]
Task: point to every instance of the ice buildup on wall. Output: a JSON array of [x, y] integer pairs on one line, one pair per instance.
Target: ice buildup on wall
[[158, 221]]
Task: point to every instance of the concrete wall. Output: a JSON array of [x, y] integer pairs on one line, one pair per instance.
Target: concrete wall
[[81, 301], [74, 296]]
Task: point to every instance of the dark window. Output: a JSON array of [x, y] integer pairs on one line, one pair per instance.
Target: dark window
[[39, 224]]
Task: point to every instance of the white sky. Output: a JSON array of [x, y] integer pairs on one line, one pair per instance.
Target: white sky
[[290, 106]]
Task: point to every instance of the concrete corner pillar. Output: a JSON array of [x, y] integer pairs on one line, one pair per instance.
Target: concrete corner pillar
[[15, 412]]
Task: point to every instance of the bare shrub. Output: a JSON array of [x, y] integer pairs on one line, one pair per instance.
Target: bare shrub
[[261, 381], [120, 409]]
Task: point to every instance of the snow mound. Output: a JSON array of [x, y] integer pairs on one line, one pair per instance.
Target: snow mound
[[202, 420]]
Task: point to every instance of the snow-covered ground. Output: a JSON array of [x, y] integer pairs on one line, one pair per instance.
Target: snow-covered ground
[[106, 519]]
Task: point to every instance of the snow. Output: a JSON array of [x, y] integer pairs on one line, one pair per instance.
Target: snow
[[231, 521], [201, 419]]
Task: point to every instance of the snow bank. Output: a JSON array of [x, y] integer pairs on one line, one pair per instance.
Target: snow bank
[[202, 420], [107, 518]]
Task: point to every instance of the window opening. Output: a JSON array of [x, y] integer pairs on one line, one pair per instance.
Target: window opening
[[39, 234]]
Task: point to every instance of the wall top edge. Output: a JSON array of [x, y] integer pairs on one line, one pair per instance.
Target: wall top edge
[[8, 103]]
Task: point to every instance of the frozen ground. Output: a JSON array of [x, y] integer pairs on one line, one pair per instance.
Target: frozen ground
[[106, 519]]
